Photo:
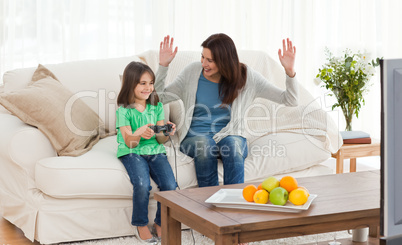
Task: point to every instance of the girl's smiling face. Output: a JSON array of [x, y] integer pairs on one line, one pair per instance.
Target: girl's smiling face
[[144, 88]]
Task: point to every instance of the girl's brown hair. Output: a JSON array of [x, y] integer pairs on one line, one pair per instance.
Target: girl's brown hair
[[131, 77], [233, 73]]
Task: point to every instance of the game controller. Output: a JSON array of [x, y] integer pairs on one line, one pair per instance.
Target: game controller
[[166, 129]]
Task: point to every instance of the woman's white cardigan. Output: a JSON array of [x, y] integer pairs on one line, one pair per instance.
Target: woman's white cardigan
[[184, 87]]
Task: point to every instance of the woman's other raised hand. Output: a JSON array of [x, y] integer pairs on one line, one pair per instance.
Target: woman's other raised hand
[[288, 57], [166, 53]]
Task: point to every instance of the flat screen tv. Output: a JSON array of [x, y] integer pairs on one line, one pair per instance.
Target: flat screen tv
[[391, 151]]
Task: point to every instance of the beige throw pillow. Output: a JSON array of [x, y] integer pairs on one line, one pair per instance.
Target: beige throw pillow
[[71, 126]]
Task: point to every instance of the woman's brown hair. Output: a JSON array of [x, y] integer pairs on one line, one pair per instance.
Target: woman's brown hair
[[131, 77], [233, 73]]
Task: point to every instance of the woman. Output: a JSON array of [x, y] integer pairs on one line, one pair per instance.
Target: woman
[[216, 94]]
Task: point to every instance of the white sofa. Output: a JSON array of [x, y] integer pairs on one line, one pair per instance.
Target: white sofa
[[61, 198]]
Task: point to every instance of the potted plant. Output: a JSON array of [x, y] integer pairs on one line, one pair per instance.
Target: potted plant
[[347, 77]]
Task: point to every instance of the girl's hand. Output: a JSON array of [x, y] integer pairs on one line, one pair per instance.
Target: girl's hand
[[145, 132], [166, 55], [173, 128], [288, 58]]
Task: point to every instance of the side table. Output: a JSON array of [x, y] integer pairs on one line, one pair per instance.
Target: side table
[[352, 151]]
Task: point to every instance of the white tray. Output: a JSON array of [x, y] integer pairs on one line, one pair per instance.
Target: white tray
[[233, 198]]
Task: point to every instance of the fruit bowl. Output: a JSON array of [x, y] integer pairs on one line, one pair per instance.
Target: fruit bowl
[[232, 198]]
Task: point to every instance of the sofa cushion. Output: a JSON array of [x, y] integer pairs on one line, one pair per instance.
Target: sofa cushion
[[100, 174], [95, 174], [279, 153], [70, 125]]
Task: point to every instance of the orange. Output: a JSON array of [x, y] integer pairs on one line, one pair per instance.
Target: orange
[[261, 196], [248, 192], [298, 196], [289, 183], [259, 187]]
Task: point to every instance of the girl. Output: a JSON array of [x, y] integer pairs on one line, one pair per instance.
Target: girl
[[140, 150], [220, 89]]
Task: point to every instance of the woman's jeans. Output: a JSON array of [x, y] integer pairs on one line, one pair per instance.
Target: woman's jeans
[[139, 169], [232, 150]]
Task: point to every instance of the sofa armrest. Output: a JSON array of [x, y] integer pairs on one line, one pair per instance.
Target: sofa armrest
[[22, 144], [2, 109]]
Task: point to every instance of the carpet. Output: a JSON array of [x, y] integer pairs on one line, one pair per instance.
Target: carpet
[[187, 239]]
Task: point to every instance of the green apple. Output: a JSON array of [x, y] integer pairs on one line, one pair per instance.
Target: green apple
[[270, 183], [279, 196]]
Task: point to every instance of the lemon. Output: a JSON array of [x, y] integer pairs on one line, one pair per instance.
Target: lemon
[[305, 189], [261, 196], [298, 196]]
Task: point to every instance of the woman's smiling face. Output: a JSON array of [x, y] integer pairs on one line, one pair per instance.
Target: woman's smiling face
[[211, 71]]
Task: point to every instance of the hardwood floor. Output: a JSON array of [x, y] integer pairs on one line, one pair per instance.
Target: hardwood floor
[[11, 235]]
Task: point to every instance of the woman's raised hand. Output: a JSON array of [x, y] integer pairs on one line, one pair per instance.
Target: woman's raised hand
[[166, 53], [288, 57]]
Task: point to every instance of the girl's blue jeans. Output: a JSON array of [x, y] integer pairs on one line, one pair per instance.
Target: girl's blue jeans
[[140, 168], [232, 150]]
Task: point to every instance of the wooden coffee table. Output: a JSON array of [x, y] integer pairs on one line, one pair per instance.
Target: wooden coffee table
[[345, 201]]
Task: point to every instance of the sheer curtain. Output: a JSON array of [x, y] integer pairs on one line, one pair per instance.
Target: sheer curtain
[[57, 31], [47, 31]]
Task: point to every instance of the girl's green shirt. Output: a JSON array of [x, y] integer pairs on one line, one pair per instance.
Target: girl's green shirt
[[132, 117]]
